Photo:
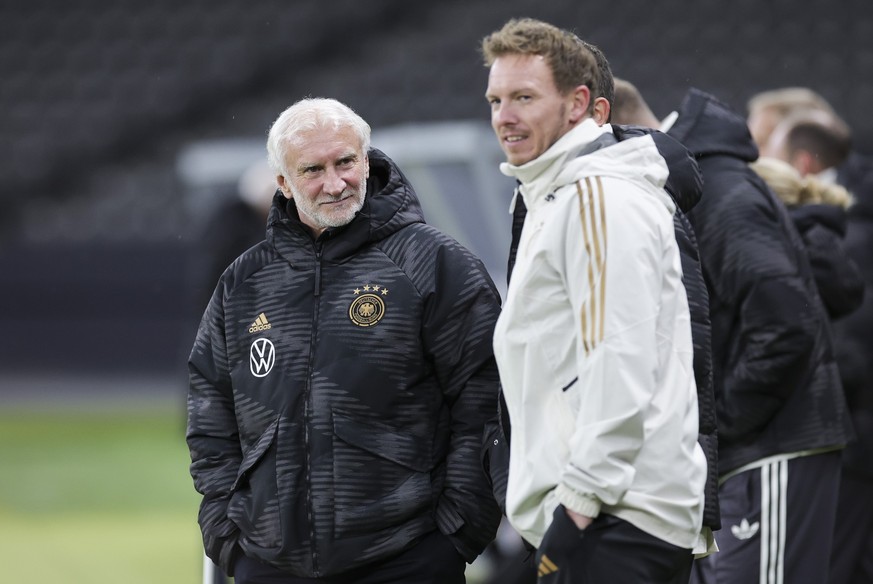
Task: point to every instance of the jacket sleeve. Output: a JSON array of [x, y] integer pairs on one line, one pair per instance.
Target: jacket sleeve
[[777, 351], [614, 275], [212, 436], [458, 326], [701, 337]]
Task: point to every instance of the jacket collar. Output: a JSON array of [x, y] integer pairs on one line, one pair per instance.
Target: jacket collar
[[592, 150], [538, 176], [390, 205]]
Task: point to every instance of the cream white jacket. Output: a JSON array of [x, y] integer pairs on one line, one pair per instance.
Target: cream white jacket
[[594, 345]]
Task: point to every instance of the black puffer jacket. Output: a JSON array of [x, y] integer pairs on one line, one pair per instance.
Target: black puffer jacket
[[823, 229], [854, 333], [339, 388], [684, 184], [776, 383]]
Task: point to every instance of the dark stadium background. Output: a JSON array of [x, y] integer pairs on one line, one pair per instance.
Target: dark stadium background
[[100, 101], [122, 123]]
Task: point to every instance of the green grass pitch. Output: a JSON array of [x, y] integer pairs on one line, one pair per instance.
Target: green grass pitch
[[99, 497]]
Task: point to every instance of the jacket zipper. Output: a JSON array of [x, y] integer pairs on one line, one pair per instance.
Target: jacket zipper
[[317, 270], [307, 411]]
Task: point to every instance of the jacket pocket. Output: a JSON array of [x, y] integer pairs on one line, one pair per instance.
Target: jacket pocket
[[494, 457], [381, 476], [254, 502], [564, 404]]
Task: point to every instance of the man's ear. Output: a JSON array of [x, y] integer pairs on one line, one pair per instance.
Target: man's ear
[[581, 97], [283, 186], [601, 110]]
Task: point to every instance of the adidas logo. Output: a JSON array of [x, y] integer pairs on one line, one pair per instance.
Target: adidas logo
[[744, 530], [546, 567], [261, 324]]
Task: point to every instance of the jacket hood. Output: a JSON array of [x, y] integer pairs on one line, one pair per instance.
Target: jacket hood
[[392, 202], [707, 127], [685, 183], [390, 205], [636, 160]]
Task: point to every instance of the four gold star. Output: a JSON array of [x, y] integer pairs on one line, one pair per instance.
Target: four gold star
[[374, 288]]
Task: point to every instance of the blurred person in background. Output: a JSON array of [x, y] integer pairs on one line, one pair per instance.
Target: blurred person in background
[[818, 210], [587, 455], [782, 415], [852, 559], [629, 107], [341, 378], [814, 142], [232, 227], [767, 108], [818, 145]]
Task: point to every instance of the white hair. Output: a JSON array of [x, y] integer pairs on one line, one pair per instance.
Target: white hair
[[307, 115]]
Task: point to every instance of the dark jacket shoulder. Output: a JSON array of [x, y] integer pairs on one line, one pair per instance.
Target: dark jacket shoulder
[[839, 282]]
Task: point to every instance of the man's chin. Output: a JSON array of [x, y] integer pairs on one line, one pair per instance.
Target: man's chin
[[517, 158], [339, 219]]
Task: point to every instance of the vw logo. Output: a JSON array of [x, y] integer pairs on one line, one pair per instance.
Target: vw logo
[[262, 357]]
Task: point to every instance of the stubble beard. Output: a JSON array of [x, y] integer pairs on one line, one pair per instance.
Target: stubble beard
[[336, 217]]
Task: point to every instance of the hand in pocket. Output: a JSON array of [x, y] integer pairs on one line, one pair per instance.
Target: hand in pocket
[[561, 541]]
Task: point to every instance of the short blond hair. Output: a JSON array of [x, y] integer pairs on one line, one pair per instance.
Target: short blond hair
[[570, 59], [787, 100]]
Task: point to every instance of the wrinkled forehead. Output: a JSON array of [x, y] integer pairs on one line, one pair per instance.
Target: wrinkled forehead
[[324, 143]]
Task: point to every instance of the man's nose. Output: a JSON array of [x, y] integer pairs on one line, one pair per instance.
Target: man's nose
[[502, 114], [333, 182]]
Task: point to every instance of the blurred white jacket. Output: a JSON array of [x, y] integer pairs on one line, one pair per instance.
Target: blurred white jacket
[[594, 345]]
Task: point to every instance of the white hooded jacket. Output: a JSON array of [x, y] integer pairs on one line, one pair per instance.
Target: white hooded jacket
[[594, 345]]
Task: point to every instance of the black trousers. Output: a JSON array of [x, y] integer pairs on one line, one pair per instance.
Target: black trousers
[[852, 553], [609, 551], [777, 524], [433, 560]]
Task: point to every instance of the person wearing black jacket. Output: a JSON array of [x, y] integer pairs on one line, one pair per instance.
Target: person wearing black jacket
[[852, 560], [341, 378], [852, 556], [818, 210], [817, 146], [781, 411]]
